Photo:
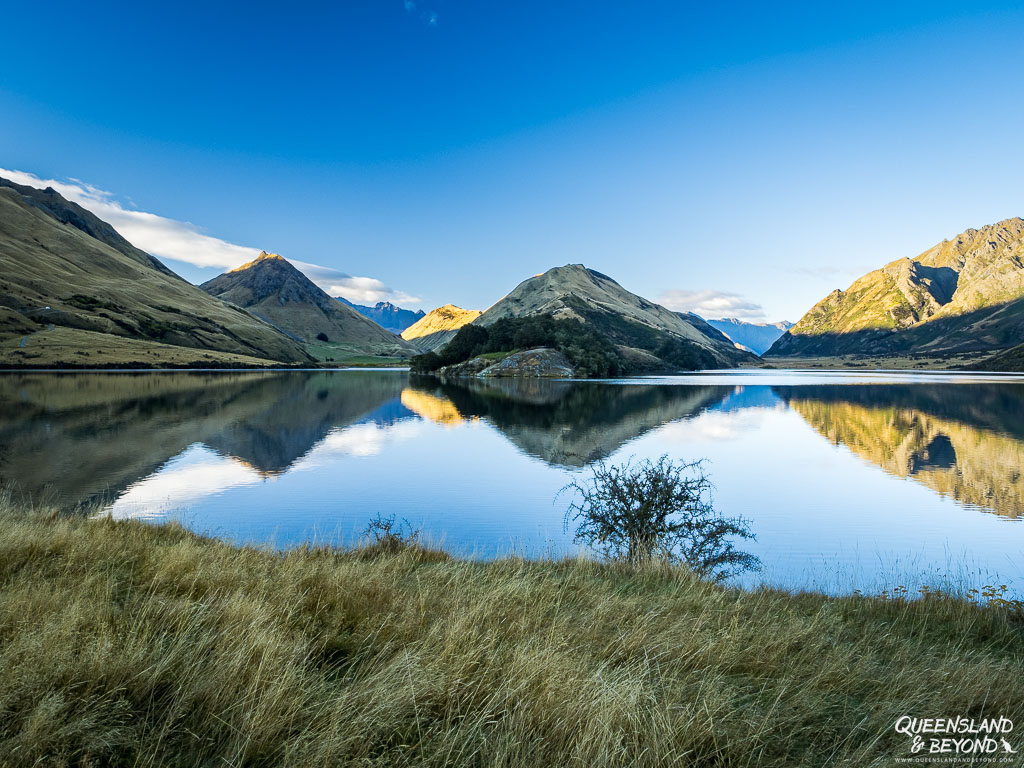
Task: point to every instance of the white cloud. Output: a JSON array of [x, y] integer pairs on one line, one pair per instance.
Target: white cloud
[[359, 290], [712, 304], [182, 241]]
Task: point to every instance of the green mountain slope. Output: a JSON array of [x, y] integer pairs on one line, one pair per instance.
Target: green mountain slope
[[628, 320], [962, 295], [275, 291], [69, 283]]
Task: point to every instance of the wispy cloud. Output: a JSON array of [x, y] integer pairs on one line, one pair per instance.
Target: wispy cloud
[[361, 290], [183, 241], [712, 304], [428, 17]]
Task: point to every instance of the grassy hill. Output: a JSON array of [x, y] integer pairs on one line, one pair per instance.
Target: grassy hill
[[1010, 360], [628, 320], [73, 291], [602, 328], [275, 291]]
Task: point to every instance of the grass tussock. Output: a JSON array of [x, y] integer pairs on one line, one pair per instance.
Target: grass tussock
[[128, 644]]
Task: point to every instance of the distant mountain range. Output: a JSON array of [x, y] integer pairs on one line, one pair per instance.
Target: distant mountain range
[[757, 337], [386, 315], [74, 292], [438, 327], [275, 291], [964, 295]]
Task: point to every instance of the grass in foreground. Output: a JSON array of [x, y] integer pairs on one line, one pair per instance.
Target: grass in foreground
[[126, 644]]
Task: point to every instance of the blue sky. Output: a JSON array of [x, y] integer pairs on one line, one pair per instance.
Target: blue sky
[[730, 158]]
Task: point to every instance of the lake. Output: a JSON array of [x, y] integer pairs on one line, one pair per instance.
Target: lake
[[850, 480]]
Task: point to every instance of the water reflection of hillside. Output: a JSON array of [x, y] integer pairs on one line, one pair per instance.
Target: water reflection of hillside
[[963, 441], [87, 436], [568, 423]]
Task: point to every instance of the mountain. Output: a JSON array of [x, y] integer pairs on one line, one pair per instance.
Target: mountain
[[640, 327], [386, 315], [438, 327], [756, 337], [73, 291], [275, 291], [964, 295]]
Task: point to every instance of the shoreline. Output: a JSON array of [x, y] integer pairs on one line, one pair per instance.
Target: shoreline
[[132, 643]]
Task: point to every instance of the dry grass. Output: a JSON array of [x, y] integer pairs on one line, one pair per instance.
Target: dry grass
[[126, 644], [74, 347]]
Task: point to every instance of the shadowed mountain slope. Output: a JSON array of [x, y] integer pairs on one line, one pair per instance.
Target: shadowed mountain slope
[[64, 272], [962, 295], [1010, 360], [274, 290]]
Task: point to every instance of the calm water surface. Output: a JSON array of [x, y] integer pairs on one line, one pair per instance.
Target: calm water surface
[[850, 480]]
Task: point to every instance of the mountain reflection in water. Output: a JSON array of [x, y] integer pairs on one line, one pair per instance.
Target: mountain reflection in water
[[964, 441], [88, 436], [276, 455]]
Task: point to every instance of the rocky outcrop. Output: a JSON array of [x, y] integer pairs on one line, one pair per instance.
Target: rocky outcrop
[[540, 363]]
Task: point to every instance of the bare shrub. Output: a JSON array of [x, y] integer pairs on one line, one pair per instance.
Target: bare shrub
[[658, 510], [388, 535]]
